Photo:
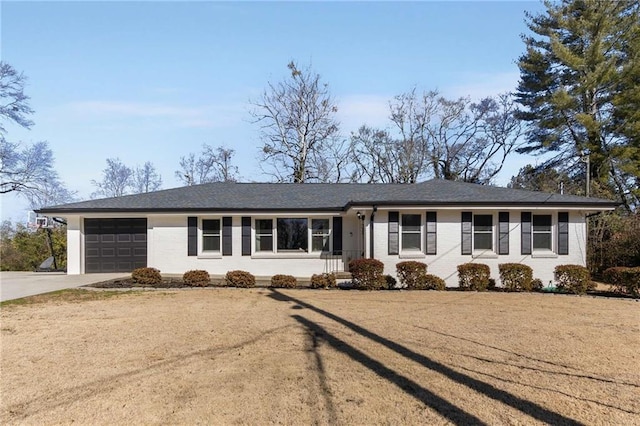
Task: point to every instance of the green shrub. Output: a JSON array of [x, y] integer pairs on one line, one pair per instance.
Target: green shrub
[[433, 282], [196, 278], [284, 281], [624, 279], [572, 278], [474, 276], [536, 284], [240, 279], [323, 281], [411, 274], [391, 282], [516, 277], [367, 274], [146, 276]]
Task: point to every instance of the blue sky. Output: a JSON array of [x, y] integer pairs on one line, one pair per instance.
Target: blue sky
[[153, 81]]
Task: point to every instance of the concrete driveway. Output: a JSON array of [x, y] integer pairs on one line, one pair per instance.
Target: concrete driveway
[[14, 285]]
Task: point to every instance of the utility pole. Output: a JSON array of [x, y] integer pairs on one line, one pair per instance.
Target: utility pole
[[585, 159]]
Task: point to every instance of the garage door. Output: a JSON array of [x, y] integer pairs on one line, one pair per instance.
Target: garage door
[[115, 245]]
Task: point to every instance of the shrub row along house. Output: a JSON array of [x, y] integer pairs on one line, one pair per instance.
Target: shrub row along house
[[304, 229]]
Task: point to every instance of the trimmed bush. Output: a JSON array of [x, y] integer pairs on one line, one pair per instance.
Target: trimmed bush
[[433, 282], [146, 276], [323, 281], [284, 281], [624, 279], [367, 274], [240, 279], [573, 278], [516, 277], [196, 278], [411, 274], [536, 284], [474, 276], [391, 282]]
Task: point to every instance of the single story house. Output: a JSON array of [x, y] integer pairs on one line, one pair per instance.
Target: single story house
[[305, 229]]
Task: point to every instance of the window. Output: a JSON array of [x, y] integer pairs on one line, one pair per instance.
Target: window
[[264, 234], [482, 232], [541, 232], [210, 235], [320, 234], [292, 234], [411, 232]]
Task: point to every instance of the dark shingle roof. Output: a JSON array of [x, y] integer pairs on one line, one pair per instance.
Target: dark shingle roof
[[321, 197]]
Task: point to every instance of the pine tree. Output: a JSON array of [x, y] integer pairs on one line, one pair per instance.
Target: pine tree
[[579, 89]]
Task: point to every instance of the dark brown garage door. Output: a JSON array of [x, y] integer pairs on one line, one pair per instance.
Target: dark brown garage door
[[115, 245]]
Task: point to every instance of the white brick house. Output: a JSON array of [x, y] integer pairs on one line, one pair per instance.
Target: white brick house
[[303, 229]]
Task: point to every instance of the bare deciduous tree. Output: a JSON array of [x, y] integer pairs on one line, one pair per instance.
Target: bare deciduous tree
[[432, 136], [25, 169], [14, 104], [298, 125], [212, 165], [117, 179], [471, 141], [146, 179]]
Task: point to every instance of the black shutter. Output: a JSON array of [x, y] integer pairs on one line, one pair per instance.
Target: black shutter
[[563, 233], [227, 248], [394, 238], [337, 235], [192, 236], [525, 219], [246, 236], [466, 220], [503, 233], [432, 235]]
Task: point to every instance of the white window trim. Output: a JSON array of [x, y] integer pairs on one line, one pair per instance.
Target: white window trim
[[484, 253], [412, 253], [289, 254], [328, 234], [546, 253], [210, 254]]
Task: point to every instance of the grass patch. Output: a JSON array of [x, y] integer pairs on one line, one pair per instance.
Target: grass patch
[[74, 295]]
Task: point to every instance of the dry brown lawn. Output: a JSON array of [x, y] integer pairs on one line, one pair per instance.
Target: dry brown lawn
[[233, 356]]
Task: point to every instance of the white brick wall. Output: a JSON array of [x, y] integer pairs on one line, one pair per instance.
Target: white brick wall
[[167, 247]]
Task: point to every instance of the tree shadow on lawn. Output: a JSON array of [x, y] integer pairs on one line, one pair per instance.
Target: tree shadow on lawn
[[585, 375], [442, 406]]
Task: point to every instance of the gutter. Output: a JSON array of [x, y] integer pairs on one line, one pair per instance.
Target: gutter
[[371, 245]]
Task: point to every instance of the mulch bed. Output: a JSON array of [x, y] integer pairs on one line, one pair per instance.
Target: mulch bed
[[166, 283], [174, 283]]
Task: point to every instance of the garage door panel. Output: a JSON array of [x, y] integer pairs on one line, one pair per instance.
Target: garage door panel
[[115, 245]]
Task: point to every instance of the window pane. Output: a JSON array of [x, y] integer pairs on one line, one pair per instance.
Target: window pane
[[264, 234], [482, 241], [410, 241], [482, 222], [211, 243], [264, 243], [542, 241], [264, 226], [292, 234], [542, 223], [319, 243], [320, 226], [210, 226], [411, 221]]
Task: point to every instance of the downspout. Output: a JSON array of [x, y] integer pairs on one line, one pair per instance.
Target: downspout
[[373, 215]]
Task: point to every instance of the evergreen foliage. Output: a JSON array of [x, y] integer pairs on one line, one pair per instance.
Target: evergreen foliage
[[579, 90]]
